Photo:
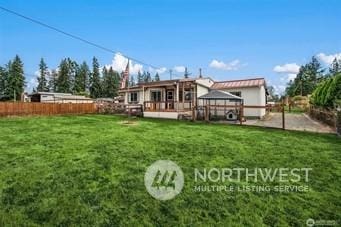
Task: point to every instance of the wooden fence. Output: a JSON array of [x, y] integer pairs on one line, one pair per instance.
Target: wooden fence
[[31, 108], [324, 115]]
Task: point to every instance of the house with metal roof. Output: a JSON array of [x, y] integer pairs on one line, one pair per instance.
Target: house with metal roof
[[176, 98]]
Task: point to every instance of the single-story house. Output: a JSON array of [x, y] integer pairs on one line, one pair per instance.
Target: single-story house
[[172, 98], [167, 98], [53, 97]]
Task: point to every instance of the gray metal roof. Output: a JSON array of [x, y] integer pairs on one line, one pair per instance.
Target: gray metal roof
[[221, 95]]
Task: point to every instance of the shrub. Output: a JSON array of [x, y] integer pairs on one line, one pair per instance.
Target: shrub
[[327, 92]]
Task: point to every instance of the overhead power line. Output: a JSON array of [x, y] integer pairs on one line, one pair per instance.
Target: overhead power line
[[76, 37]]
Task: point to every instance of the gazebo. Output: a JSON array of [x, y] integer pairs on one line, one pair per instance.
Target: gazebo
[[220, 105]]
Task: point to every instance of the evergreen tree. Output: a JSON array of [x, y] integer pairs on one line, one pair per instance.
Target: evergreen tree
[[140, 78], [335, 66], [63, 79], [42, 78], [72, 70], [52, 84], [3, 79], [147, 77], [15, 79], [272, 95], [95, 80], [306, 81], [81, 79], [110, 83], [186, 75], [157, 77], [132, 81]]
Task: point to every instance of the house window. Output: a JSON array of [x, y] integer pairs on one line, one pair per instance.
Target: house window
[[155, 96], [187, 94], [133, 97], [170, 95], [237, 93]]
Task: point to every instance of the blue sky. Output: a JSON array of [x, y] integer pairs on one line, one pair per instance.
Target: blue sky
[[227, 39]]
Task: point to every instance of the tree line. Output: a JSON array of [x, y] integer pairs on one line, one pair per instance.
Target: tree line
[[324, 85], [69, 77]]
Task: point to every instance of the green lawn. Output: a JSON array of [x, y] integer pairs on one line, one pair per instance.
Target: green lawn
[[89, 171]]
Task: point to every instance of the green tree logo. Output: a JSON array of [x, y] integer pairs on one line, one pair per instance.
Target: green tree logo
[[164, 179]]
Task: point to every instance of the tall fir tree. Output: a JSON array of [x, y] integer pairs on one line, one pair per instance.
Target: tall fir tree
[[95, 80], [132, 81], [147, 77], [63, 83], [72, 70], [52, 84], [66, 76], [43, 75], [157, 77], [81, 79], [306, 81], [110, 83], [3, 80], [16, 79], [140, 78], [335, 67], [186, 74]]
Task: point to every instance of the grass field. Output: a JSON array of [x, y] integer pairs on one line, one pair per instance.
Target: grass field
[[89, 171]]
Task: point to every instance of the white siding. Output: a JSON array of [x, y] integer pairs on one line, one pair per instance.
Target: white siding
[[253, 96], [201, 90], [170, 115], [205, 82]]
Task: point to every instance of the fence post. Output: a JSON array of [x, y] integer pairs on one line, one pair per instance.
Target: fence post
[[207, 114], [194, 113], [241, 110]]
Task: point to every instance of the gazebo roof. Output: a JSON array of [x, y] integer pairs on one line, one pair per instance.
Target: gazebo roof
[[220, 95]]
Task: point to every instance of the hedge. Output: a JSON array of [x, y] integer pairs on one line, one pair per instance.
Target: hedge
[[327, 92]]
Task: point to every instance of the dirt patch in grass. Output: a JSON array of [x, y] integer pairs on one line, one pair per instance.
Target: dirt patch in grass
[[129, 122]]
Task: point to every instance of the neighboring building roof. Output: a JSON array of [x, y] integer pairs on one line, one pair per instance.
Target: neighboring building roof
[[61, 96], [49, 93], [220, 95], [71, 97], [256, 82], [105, 100]]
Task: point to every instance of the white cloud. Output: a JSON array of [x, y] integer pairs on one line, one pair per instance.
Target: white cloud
[[287, 78], [161, 70], [291, 76], [119, 64], [31, 82], [290, 68], [328, 59], [229, 66], [179, 69], [279, 89]]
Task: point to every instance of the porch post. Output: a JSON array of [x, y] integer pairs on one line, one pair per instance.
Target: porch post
[[143, 104]]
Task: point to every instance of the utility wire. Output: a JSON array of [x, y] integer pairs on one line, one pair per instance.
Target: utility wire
[[76, 37]]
